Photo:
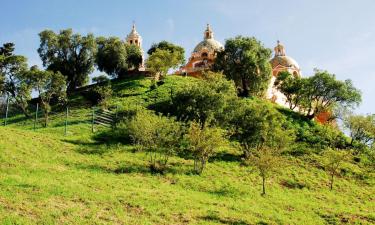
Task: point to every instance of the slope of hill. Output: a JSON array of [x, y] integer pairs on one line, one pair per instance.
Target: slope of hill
[[46, 177]]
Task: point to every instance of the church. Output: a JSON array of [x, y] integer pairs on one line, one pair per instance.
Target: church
[[204, 54]]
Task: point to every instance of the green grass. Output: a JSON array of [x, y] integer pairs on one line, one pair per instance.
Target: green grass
[[49, 178]]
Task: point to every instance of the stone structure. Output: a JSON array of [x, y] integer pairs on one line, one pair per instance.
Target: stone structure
[[281, 62], [134, 38], [203, 55]]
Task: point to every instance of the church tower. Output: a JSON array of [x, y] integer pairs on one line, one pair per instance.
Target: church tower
[[134, 38]]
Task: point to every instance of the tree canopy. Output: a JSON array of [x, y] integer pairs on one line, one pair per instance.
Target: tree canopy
[[115, 57], [161, 61], [71, 54], [165, 45], [246, 61], [318, 93], [49, 85], [12, 76]]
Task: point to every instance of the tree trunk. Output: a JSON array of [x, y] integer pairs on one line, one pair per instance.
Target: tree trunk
[[245, 91], [331, 183], [45, 118], [263, 185]]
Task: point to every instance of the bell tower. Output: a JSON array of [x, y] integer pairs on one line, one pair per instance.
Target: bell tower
[[134, 38]]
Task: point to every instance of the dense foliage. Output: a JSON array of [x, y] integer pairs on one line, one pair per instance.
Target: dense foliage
[[48, 85], [317, 94], [69, 53], [115, 57], [246, 61], [12, 77]]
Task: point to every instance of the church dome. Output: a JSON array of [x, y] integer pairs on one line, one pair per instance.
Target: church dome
[[209, 44], [284, 61]]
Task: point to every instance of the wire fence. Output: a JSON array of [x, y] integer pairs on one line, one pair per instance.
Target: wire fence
[[34, 116]]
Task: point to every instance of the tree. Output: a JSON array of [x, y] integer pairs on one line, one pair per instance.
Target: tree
[[159, 136], [319, 93], [71, 54], [161, 61], [292, 87], [267, 161], [332, 161], [246, 61], [134, 56], [205, 100], [257, 125], [323, 91], [115, 57], [111, 56], [203, 143], [361, 128], [49, 85], [12, 77], [165, 45]]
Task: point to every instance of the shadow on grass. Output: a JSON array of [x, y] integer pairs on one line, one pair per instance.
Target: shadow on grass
[[70, 123], [120, 170], [230, 221], [226, 157]]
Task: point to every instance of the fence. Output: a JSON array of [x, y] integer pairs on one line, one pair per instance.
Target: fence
[[60, 115]]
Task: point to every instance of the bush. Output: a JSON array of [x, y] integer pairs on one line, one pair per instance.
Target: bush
[[157, 135], [203, 143]]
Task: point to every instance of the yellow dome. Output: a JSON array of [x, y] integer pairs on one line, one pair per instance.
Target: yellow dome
[[285, 61]]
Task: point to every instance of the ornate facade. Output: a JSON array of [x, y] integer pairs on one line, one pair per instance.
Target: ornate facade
[[134, 38], [203, 55]]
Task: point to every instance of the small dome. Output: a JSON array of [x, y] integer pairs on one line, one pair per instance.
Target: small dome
[[209, 44], [284, 60], [133, 34]]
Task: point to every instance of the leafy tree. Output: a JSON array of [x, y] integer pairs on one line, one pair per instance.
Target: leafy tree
[[159, 136], [111, 56], [49, 85], [361, 128], [205, 100], [257, 125], [12, 77], [71, 54], [203, 143], [319, 93], [165, 45], [134, 56], [246, 61], [115, 57], [292, 87], [161, 61], [267, 161], [323, 91], [332, 161]]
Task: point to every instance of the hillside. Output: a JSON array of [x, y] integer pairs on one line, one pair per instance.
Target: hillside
[[81, 178]]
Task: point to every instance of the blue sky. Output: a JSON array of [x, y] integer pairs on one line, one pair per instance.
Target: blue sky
[[335, 35]]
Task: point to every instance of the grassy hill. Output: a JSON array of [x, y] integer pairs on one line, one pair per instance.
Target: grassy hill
[[46, 177]]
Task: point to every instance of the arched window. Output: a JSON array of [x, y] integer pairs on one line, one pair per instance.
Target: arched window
[[204, 55]]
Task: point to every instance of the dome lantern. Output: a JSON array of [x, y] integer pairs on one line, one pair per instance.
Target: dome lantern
[[279, 49], [208, 33]]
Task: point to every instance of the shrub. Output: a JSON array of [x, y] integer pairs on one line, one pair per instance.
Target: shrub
[[203, 142], [158, 135]]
